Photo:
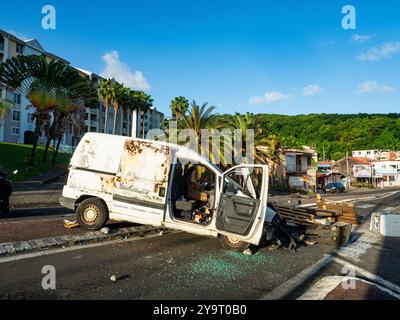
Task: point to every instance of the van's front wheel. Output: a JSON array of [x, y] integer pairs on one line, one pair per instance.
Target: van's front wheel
[[92, 214], [232, 243]]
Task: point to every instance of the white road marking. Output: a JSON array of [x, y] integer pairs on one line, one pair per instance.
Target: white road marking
[[365, 206], [359, 247], [369, 276], [391, 209], [323, 287], [79, 247]]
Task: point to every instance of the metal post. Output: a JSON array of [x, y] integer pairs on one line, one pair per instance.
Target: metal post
[[347, 171]]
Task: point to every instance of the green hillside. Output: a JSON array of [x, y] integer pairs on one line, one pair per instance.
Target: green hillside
[[334, 134]]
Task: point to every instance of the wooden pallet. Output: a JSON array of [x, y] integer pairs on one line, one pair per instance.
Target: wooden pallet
[[348, 212], [298, 216]]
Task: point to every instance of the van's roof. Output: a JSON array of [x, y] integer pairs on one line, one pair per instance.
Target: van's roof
[[182, 151]]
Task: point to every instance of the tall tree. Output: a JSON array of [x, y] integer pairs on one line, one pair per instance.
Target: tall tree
[[125, 103], [5, 107], [118, 92], [42, 81], [144, 103], [196, 119], [179, 107], [265, 146], [107, 97]]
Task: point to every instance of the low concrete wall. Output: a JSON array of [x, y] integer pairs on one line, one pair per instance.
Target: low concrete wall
[[34, 199]]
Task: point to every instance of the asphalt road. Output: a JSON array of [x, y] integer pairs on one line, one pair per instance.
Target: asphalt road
[[168, 266]]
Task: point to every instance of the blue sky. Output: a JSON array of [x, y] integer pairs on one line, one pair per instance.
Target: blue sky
[[287, 57]]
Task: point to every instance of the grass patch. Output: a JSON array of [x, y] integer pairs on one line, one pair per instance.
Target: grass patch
[[15, 157]]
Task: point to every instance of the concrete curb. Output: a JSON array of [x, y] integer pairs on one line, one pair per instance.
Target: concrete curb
[[288, 287], [55, 177], [13, 248]]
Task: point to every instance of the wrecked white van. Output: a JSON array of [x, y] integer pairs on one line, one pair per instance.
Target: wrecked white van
[[160, 184]]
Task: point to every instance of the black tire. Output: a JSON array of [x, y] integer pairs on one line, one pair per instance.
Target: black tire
[[233, 244], [92, 214]]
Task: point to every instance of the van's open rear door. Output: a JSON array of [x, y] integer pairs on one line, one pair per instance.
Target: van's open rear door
[[242, 204]]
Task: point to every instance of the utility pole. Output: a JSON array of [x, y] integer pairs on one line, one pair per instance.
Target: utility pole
[[347, 171]]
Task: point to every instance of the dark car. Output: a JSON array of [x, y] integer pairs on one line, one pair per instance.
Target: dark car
[[335, 187]]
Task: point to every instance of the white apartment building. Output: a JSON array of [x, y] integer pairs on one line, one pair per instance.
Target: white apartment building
[[14, 126], [386, 173], [377, 155], [18, 124]]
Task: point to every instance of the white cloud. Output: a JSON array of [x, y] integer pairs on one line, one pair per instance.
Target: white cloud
[[374, 87], [121, 72], [311, 90], [384, 51], [268, 98], [19, 35], [360, 38]]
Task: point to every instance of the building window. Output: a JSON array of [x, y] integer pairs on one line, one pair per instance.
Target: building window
[[20, 48], [16, 115], [15, 131], [17, 98], [29, 117]]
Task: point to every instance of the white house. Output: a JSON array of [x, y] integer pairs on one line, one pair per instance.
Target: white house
[[387, 173]]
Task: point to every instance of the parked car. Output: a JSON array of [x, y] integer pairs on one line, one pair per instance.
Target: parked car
[[335, 187], [166, 185]]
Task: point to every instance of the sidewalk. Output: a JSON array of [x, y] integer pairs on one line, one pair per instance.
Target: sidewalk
[[51, 180], [348, 288]]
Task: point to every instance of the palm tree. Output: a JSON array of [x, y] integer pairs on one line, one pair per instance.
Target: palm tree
[[196, 119], [179, 107], [118, 92], [265, 147], [41, 81], [107, 97], [5, 107], [142, 103], [125, 102]]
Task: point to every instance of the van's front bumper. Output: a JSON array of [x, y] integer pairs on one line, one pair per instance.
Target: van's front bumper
[[67, 202]]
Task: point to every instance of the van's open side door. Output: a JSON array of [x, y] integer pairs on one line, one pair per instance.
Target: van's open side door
[[242, 203]]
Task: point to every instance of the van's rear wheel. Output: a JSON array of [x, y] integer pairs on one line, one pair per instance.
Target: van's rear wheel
[[232, 243], [92, 214]]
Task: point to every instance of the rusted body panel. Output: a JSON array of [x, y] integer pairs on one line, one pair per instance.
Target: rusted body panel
[[143, 171]]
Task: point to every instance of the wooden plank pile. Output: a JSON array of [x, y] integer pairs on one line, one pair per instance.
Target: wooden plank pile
[[307, 217], [298, 216], [345, 212]]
